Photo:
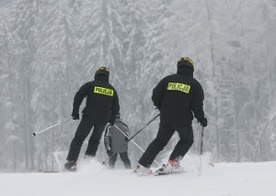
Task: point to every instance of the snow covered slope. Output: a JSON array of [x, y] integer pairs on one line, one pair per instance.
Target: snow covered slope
[[224, 179]]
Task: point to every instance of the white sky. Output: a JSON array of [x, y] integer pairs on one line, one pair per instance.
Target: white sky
[[224, 179]]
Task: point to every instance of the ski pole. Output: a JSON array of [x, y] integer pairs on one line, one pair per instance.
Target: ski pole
[[143, 128], [36, 133], [134, 143], [133, 136], [200, 151]]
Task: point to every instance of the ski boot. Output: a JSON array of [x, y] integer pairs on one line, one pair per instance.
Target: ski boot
[[70, 166], [142, 171], [172, 166]]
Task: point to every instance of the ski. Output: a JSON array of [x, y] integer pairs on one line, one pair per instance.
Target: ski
[[59, 171], [63, 170], [168, 173], [159, 173], [167, 170]]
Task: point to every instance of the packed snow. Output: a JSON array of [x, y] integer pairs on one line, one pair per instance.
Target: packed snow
[[92, 178]]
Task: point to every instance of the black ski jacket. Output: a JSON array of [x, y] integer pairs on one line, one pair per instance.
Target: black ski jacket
[[102, 102], [179, 97]]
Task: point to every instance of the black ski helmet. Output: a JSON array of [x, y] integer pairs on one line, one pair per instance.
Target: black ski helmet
[[185, 62], [102, 71]]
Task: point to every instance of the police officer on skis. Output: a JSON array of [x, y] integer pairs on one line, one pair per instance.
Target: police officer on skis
[[102, 105], [179, 97]]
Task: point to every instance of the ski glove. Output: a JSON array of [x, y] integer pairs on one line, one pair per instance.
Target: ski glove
[[75, 115], [203, 122]]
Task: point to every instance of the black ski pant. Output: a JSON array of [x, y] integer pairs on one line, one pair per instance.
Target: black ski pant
[[164, 134], [82, 132], [124, 158]]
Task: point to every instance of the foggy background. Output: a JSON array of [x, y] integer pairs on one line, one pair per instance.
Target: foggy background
[[49, 48]]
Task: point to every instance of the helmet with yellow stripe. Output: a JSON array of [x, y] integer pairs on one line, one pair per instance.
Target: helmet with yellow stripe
[[102, 71], [185, 62]]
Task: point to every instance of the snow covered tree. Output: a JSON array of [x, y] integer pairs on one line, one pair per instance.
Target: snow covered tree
[[54, 68], [50, 48]]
